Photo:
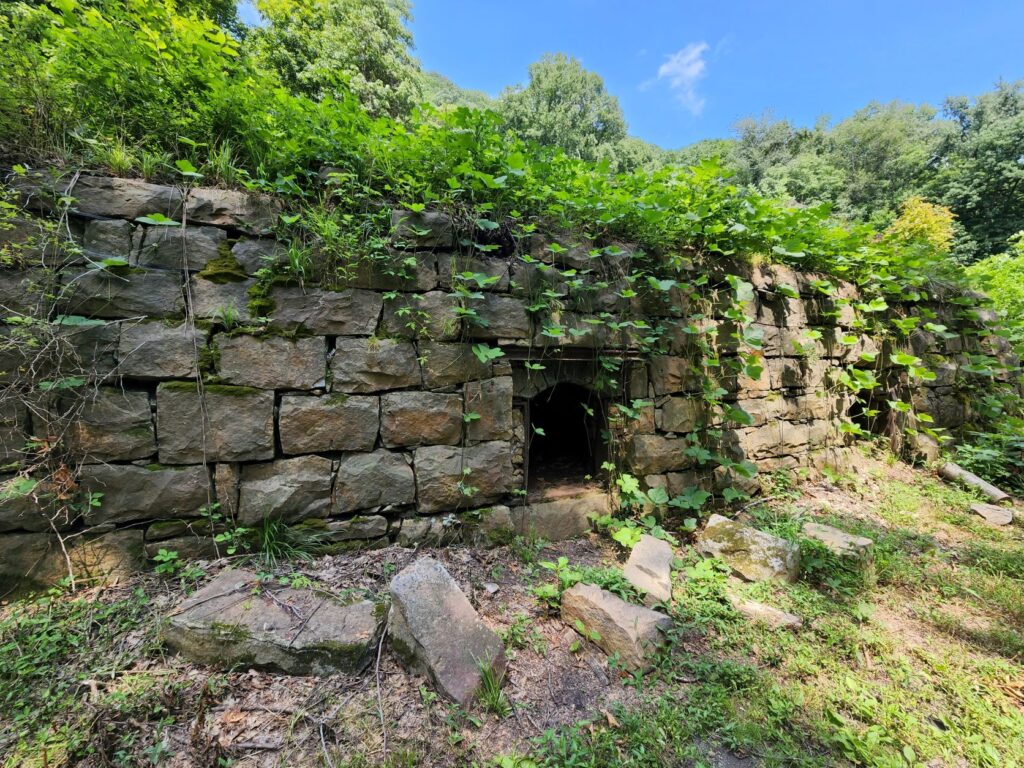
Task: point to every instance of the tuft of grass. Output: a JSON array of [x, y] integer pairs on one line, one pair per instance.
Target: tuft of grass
[[491, 694], [275, 542]]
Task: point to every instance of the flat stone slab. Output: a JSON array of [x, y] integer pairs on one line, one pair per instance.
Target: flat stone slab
[[840, 542], [617, 627], [649, 568], [776, 618], [993, 514], [234, 621], [436, 632], [560, 519], [753, 555]]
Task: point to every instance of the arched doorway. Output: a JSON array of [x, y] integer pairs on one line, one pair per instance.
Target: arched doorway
[[566, 440]]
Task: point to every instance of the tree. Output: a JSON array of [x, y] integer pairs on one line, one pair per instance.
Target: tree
[[981, 167], [321, 48], [442, 92], [564, 105]]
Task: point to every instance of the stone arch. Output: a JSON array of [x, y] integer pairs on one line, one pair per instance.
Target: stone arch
[[566, 438]]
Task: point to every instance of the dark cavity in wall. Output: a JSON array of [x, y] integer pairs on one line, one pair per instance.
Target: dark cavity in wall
[[566, 444]]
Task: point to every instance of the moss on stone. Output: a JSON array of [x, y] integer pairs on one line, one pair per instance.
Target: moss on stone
[[223, 269]]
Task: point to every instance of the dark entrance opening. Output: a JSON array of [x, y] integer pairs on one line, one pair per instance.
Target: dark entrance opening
[[566, 445]]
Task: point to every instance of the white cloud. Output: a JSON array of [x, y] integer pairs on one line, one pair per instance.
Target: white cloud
[[683, 69]]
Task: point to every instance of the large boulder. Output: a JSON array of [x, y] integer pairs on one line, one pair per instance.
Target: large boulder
[[274, 362], [236, 422], [753, 555], [311, 424], [292, 489], [435, 631], [373, 365], [629, 631], [450, 477], [420, 418], [649, 568], [238, 621]]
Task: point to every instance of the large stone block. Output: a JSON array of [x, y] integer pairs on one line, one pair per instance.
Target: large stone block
[[249, 212], [220, 300], [132, 492], [111, 238], [186, 248], [27, 510], [427, 229], [292, 489], [491, 401], [136, 293], [114, 425], [311, 424], [456, 270], [422, 316], [14, 421], [561, 519], [682, 414], [631, 632], [374, 365], [351, 312], [272, 362], [670, 375], [124, 198], [370, 480], [857, 552], [649, 568], [237, 423], [254, 255], [358, 528], [238, 621], [435, 631], [413, 272], [420, 418], [449, 478], [655, 454], [153, 351], [499, 317], [24, 291], [448, 364], [30, 561], [753, 555]]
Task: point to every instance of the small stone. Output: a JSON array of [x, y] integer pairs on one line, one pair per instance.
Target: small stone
[[435, 631], [615, 626], [356, 528], [310, 424], [491, 588], [373, 365], [992, 514], [236, 620], [369, 480], [291, 489], [765, 614], [153, 351], [428, 532], [420, 418], [649, 568], [274, 362], [752, 554]]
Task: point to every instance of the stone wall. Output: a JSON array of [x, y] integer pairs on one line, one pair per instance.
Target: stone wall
[[362, 410]]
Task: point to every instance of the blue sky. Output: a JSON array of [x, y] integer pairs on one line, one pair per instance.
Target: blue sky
[[688, 70]]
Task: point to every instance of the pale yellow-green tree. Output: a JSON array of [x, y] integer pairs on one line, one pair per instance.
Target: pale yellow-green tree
[[923, 222]]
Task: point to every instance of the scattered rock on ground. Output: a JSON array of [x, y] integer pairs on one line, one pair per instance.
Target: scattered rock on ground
[[236, 621], [631, 631], [436, 632], [859, 551], [993, 514], [775, 618], [649, 568], [753, 555]]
